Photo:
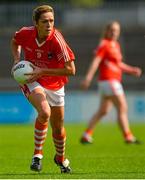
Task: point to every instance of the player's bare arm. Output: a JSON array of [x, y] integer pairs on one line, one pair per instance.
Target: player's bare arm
[[133, 70], [69, 70], [16, 51], [91, 72]]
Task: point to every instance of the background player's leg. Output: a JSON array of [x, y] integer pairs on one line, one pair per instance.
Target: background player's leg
[[122, 110], [104, 108]]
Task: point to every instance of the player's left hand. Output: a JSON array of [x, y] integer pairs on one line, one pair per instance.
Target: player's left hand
[[137, 71], [37, 73]]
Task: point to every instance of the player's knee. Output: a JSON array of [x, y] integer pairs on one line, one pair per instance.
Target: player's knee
[[123, 109], [44, 116], [103, 112]]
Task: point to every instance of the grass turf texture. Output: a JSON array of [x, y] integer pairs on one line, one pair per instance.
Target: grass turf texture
[[108, 157]]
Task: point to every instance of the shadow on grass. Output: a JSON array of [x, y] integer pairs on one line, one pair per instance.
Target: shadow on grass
[[73, 173]]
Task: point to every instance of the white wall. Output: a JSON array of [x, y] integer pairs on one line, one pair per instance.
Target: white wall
[[81, 106]]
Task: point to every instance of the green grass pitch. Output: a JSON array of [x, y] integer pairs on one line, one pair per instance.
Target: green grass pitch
[[107, 158]]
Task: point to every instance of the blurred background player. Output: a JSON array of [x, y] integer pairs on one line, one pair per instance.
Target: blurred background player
[[53, 61], [108, 59]]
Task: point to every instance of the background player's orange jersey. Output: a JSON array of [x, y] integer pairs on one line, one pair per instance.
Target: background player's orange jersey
[[52, 53], [110, 54]]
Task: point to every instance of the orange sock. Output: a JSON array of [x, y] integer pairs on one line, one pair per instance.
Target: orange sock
[[128, 135], [40, 134], [59, 142], [89, 131]]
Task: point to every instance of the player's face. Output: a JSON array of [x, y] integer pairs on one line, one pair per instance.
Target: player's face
[[45, 24], [114, 31]]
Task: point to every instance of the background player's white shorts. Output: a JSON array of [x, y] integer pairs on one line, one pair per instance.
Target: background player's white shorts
[[55, 98], [110, 87]]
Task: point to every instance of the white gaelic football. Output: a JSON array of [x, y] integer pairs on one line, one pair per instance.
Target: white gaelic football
[[20, 69]]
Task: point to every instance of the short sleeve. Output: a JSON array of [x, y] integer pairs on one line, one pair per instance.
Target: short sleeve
[[62, 50], [20, 36], [101, 49]]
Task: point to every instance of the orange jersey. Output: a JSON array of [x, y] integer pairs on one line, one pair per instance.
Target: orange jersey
[[52, 53], [110, 53]]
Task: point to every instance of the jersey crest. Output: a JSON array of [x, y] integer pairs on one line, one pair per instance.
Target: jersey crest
[[50, 55]]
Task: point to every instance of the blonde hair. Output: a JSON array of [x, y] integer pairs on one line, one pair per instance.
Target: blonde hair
[[108, 27], [40, 10]]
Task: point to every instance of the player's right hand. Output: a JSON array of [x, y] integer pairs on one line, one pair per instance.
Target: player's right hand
[[137, 71], [85, 84]]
